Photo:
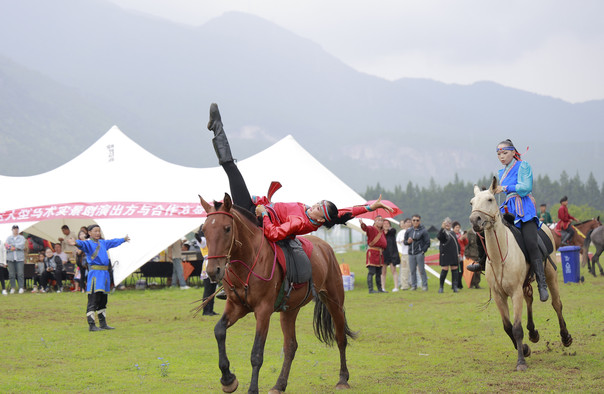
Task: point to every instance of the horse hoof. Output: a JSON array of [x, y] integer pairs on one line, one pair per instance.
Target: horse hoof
[[526, 350], [521, 367], [231, 387], [567, 341], [534, 336], [342, 386]]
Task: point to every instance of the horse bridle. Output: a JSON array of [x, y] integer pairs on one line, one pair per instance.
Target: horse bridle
[[228, 255]]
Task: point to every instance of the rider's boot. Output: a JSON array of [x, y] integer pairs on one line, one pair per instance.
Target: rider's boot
[[220, 141], [479, 265], [538, 268], [565, 237]]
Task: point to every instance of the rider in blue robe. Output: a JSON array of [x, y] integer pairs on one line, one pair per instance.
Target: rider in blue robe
[[516, 181]]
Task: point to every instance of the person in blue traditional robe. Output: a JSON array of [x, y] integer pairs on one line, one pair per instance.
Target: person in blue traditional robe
[[99, 278]]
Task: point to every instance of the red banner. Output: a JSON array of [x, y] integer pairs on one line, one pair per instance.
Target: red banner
[[99, 210]]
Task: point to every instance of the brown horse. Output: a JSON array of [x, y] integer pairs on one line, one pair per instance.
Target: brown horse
[[581, 232], [507, 272], [240, 256]]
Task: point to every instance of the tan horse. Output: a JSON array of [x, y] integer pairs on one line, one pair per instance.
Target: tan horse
[[240, 256], [507, 272]]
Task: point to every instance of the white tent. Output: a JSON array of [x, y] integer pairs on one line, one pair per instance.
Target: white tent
[[127, 190]]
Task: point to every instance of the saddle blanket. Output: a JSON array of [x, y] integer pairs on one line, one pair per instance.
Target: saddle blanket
[[307, 246]]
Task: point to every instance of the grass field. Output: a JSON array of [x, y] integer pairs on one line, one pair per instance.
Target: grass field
[[407, 342]]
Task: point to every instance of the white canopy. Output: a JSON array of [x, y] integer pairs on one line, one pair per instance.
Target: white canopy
[[127, 190]]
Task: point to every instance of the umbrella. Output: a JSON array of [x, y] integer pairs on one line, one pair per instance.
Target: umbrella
[[381, 211]]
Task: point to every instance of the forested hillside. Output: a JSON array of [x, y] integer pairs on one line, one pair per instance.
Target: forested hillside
[[434, 203]]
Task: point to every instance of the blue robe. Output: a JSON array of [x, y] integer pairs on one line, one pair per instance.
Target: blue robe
[[98, 280], [517, 177]]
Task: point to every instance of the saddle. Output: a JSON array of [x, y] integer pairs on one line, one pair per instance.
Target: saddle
[[545, 244], [293, 255]]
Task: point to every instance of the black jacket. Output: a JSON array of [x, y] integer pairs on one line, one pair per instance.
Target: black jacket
[[449, 248]]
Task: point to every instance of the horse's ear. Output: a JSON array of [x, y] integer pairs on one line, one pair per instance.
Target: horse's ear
[[228, 203], [206, 207], [493, 186], [476, 189]]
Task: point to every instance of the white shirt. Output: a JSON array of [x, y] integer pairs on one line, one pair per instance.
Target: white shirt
[[402, 248]]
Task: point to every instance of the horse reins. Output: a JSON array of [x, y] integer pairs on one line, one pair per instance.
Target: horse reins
[[228, 271], [503, 259]]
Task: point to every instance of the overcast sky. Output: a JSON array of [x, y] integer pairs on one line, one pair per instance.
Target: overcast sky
[[550, 47]]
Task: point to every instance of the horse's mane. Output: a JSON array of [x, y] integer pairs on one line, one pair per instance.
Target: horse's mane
[[244, 212], [585, 221]]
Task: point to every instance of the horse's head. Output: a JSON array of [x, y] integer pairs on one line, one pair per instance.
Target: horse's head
[[485, 209], [219, 231]]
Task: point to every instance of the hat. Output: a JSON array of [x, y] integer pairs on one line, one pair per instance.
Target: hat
[[15, 226]]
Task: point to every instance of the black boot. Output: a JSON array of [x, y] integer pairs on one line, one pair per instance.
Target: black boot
[[91, 325], [370, 284], [443, 276], [565, 237], [478, 266], [455, 280], [537, 266], [220, 141], [103, 322]]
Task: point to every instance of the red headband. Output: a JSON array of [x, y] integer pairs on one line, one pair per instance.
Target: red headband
[[324, 208]]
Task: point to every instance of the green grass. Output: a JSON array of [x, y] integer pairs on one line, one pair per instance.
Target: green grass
[[407, 342]]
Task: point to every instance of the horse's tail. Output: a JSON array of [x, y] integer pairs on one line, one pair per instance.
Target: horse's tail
[[323, 322]]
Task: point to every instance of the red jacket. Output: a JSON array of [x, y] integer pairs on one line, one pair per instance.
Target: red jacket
[[564, 218], [292, 219], [376, 243]]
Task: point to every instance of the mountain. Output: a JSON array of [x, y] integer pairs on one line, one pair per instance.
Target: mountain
[[156, 79]]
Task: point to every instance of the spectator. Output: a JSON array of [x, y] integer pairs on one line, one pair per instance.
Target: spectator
[[64, 265], [81, 262], [65, 246], [404, 251], [391, 257], [564, 225], [51, 271], [376, 243], [473, 251], [544, 215], [15, 259], [449, 255], [38, 272], [462, 241], [3, 269], [175, 255], [99, 279], [418, 240], [209, 287]]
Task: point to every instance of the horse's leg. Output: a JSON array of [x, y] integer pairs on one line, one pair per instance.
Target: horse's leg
[[596, 259], [335, 306], [530, 325], [552, 284], [523, 349], [504, 311], [263, 318], [228, 380], [290, 345]]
